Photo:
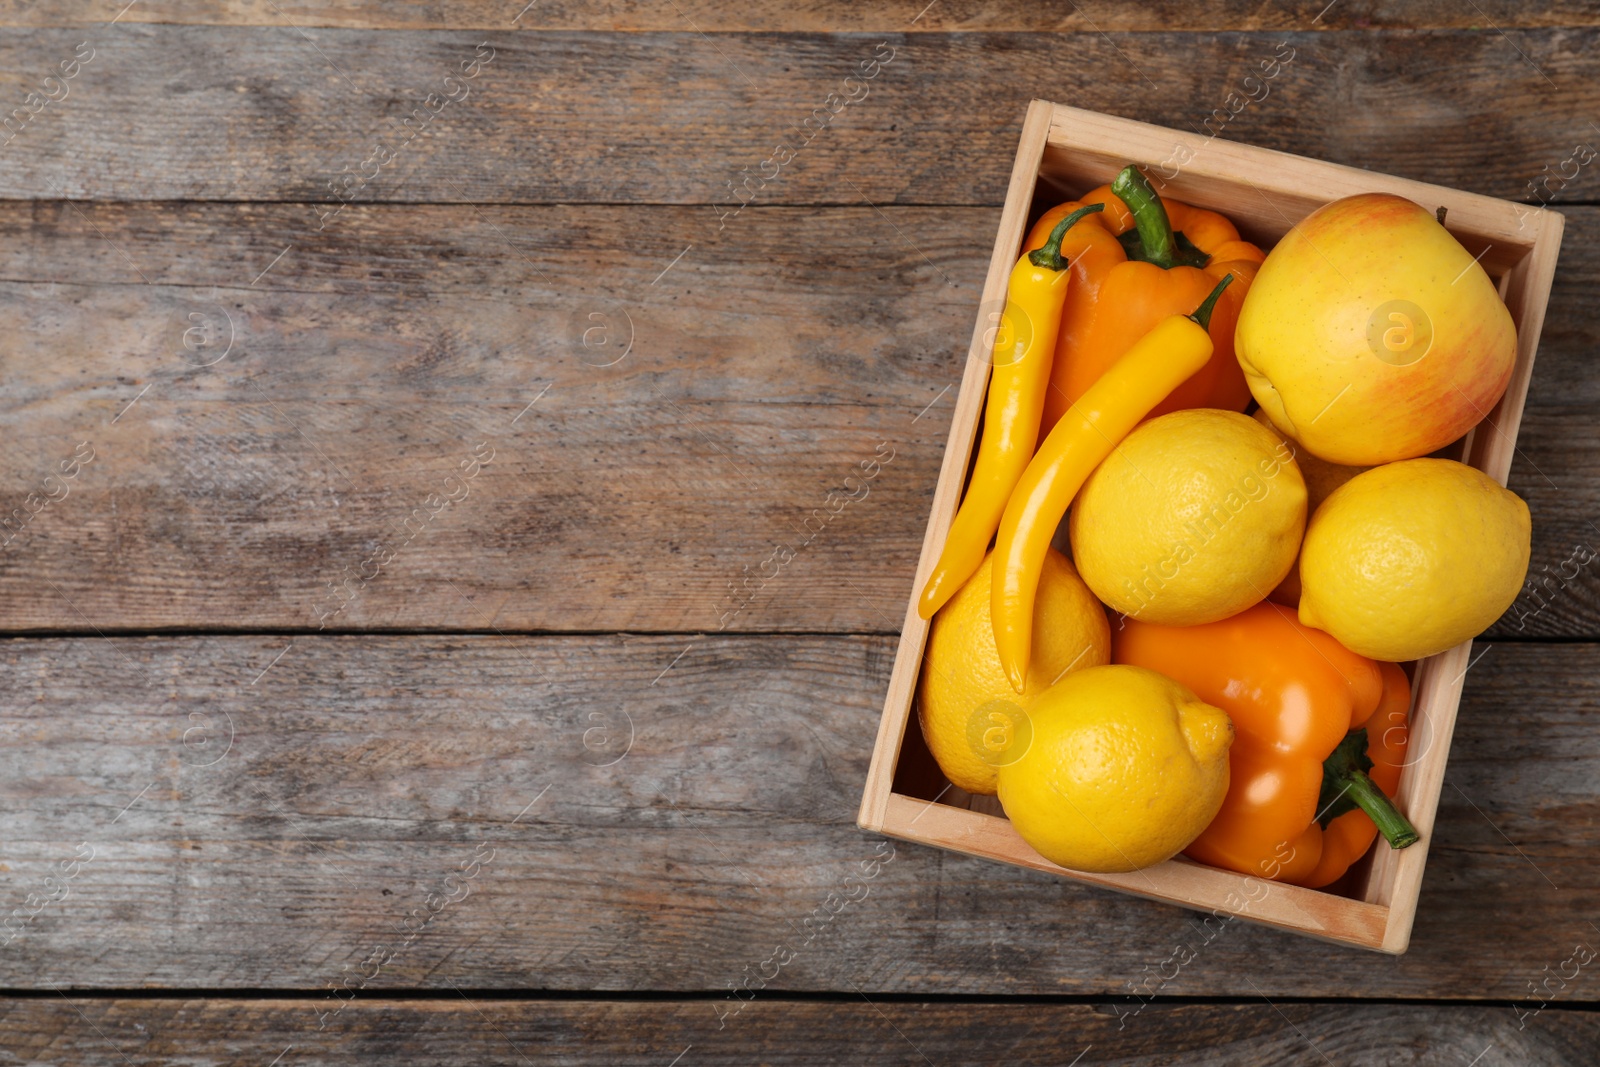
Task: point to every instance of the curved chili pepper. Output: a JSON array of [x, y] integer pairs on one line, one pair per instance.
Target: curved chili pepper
[[1103, 416], [1024, 348], [1145, 259], [1311, 720]]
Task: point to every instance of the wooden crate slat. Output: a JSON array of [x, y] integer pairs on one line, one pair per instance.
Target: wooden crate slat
[[1197, 886]]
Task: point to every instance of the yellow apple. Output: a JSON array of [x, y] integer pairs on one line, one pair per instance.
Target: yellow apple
[[1370, 335]]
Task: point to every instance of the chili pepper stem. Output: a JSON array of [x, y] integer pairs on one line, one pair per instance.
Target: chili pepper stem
[[1149, 215], [1395, 827], [1049, 256], [1201, 316]]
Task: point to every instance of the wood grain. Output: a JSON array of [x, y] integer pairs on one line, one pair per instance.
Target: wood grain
[[769, 363], [274, 113], [371, 360], [823, 16], [590, 815], [365, 771], [1557, 465], [502, 1033]]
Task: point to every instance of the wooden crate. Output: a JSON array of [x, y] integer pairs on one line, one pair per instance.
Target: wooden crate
[[1063, 153]]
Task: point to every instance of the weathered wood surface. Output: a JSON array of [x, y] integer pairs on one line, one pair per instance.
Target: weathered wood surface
[[372, 359], [788, 1033], [364, 363], [1557, 465], [656, 814], [824, 16], [276, 113], [598, 813]]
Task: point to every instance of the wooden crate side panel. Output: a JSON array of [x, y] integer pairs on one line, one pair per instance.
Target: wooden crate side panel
[[1283, 188], [1527, 293], [1181, 882], [1397, 876], [952, 472]]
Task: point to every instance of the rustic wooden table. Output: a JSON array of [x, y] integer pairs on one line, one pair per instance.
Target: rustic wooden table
[[402, 406]]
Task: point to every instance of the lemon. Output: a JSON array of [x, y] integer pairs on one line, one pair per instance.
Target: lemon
[[1125, 768], [1412, 558], [1322, 478], [971, 717], [1193, 517]]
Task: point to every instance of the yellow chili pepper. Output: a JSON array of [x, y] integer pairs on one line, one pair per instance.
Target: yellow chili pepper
[[1024, 349], [1156, 365]]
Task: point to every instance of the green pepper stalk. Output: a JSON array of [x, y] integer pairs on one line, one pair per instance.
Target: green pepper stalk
[[1048, 255], [1152, 240], [1201, 316], [1345, 787]]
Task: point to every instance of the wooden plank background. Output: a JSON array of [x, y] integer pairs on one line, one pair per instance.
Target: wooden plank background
[[672, 117], [789, 1033], [541, 369], [692, 803], [374, 356], [827, 16]]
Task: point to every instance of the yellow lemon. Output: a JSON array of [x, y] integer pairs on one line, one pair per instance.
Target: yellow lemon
[[1412, 558], [972, 719], [1322, 478], [1193, 517], [1125, 768]]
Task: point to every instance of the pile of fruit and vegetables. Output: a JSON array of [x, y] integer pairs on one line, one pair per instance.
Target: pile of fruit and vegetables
[[1241, 444]]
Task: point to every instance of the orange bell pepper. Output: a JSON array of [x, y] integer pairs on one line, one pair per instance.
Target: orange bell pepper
[[1311, 720], [1142, 260]]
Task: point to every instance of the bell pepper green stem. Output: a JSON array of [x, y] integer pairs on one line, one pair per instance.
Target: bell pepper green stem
[[1048, 257], [1201, 315], [1149, 216], [1395, 827], [1344, 775]]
